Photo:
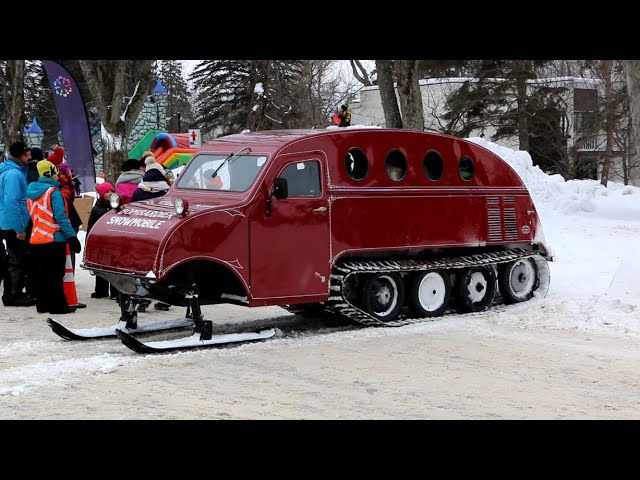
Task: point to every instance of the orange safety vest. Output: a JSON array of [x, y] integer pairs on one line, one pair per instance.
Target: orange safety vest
[[41, 212]]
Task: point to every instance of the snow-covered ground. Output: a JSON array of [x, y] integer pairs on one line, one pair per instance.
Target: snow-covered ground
[[573, 354]]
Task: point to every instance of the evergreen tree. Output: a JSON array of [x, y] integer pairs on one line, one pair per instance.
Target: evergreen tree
[[500, 94], [291, 94], [180, 115], [282, 102], [234, 95], [223, 96], [480, 101]]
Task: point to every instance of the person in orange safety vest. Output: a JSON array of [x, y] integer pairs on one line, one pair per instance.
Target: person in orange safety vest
[[49, 236]]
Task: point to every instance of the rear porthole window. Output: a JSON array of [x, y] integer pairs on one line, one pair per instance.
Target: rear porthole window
[[432, 165], [396, 165], [465, 168], [356, 164]]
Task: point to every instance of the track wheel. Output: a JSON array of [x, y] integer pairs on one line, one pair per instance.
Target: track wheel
[[475, 289], [429, 293], [517, 280], [383, 296]]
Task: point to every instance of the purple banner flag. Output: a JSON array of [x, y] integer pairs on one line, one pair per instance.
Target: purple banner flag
[[74, 124]]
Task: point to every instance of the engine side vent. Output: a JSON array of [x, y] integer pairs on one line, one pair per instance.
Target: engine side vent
[[502, 223], [494, 220]]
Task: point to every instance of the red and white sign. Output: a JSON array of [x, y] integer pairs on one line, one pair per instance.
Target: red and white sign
[[194, 138]]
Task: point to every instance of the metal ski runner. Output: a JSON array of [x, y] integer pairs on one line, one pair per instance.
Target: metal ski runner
[[193, 341], [106, 332]]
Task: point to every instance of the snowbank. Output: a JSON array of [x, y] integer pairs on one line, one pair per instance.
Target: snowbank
[[569, 197]]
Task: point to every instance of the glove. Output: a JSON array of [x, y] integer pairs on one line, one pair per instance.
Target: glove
[[74, 244]]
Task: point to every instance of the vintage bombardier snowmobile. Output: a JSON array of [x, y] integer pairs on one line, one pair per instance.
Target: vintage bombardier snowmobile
[[383, 226]]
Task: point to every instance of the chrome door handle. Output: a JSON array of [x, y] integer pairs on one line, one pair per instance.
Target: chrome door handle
[[319, 209]]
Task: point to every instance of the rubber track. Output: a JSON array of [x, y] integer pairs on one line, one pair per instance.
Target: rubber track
[[338, 304]]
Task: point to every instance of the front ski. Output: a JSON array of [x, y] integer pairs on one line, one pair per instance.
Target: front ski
[[105, 332], [192, 341]]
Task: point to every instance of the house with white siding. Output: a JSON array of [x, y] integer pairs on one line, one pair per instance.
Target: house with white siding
[[580, 104]]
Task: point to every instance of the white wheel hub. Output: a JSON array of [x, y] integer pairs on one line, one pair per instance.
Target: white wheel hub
[[522, 278], [387, 294], [431, 292], [476, 287]]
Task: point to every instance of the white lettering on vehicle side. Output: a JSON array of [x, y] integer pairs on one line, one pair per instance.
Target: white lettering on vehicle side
[[147, 213], [136, 222]]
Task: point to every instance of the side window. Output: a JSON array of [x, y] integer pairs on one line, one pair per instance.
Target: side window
[[303, 179], [465, 168], [356, 163], [396, 165]]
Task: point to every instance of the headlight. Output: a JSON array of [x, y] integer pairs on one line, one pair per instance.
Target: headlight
[[114, 201], [181, 206]]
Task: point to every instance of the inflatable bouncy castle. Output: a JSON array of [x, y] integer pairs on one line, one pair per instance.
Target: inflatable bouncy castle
[[170, 149]]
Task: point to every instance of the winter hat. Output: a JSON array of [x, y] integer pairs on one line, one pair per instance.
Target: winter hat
[[103, 188], [46, 169], [151, 164], [17, 148], [131, 164], [36, 153], [57, 156]]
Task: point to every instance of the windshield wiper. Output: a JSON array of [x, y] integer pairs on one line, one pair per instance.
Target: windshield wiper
[[228, 159]]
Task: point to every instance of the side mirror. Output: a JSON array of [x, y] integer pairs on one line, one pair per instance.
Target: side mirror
[[280, 188]]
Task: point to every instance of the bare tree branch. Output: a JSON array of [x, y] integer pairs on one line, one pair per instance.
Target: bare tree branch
[[360, 72], [119, 89]]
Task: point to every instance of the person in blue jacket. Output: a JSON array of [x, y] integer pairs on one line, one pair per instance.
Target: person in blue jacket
[[15, 225]]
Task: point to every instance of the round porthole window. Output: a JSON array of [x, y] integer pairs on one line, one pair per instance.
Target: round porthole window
[[433, 165], [356, 163], [396, 165], [465, 168]]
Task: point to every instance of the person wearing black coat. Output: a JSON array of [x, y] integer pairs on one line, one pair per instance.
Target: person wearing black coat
[[32, 167], [32, 176], [102, 288]]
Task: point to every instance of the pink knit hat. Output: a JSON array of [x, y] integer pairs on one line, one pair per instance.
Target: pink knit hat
[[103, 188]]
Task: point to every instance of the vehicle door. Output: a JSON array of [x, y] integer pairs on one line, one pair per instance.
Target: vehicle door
[[290, 244]]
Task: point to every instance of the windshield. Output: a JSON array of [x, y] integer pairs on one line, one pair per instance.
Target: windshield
[[236, 175]]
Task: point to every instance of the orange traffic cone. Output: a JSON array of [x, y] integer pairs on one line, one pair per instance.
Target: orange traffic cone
[[69, 282]]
